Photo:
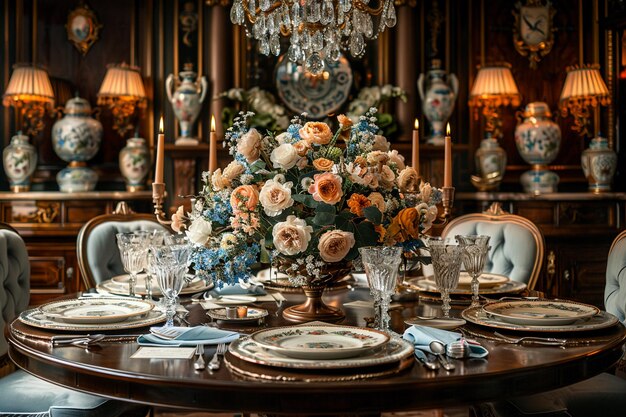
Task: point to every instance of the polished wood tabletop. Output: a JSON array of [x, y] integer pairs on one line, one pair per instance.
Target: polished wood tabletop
[[509, 370]]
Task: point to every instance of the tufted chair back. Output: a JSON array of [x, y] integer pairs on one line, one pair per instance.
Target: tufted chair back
[[614, 294], [517, 245], [98, 256], [14, 279]]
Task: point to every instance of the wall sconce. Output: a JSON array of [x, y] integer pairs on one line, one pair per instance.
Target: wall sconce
[[30, 92], [122, 90]]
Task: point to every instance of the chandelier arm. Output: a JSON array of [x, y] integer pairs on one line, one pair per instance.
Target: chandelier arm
[[369, 10]]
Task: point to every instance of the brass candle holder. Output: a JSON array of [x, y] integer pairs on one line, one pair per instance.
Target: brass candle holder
[[158, 195], [447, 201]]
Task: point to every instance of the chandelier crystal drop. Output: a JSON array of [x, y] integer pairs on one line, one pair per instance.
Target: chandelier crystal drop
[[318, 30]]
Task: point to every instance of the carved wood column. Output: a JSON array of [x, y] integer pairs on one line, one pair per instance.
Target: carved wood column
[[406, 71]]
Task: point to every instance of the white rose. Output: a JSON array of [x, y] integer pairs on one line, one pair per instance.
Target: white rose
[[275, 197], [200, 231], [249, 145], [380, 143], [386, 90], [396, 158], [291, 236], [283, 138], [334, 245], [285, 156]]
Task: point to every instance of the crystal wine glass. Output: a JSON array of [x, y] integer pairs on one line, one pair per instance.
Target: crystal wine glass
[[446, 260], [381, 265], [133, 249], [170, 264], [475, 250], [152, 237]]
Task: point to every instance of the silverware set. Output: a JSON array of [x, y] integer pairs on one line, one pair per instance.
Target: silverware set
[[214, 363]]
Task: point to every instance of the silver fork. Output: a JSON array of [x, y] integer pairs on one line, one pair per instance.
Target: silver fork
[[199, 364], [547, 341], [214, 364]]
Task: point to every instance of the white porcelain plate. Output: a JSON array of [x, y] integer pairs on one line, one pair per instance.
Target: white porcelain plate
[[485, 280], [95, 310], [540, 312], [36, 318], [437, 323], [253, 314], [119, 285], [320, 341], [508, 287]]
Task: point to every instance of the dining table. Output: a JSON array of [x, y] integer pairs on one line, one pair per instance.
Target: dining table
[[509, 370]]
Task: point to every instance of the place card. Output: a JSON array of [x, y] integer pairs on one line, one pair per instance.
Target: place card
[[147, 352], [360, 304]]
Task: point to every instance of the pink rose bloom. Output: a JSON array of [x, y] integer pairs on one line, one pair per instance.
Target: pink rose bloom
[[326, 187]]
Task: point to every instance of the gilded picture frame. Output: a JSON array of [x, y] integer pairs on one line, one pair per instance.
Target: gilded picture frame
[[83, 28], [533, 31]]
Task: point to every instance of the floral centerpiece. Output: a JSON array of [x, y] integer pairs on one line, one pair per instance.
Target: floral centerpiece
[[305, 199]]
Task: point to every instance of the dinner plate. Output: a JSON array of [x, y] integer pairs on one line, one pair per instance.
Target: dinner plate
[[540, 312], [485, 280], [36, 318], [600, 321], [248, 350], [428, 286], [320, 341], [95, 310], [437, 322], [119, 285], [253, 314]]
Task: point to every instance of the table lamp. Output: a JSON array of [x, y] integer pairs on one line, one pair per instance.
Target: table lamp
[[123, 91], [30, 92], [494, 87]]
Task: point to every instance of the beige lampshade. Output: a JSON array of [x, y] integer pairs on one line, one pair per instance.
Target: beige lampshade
[[28, 84], [584, 83], [494, 83], [122, 81]]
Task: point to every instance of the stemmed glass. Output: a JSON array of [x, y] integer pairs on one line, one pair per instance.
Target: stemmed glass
[[152, 237], [446, 260], [133, 250], [475, 249], [381, 265], [170, 264]]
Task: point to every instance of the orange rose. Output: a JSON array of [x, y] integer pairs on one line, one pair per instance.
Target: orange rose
[[345, 124], [244, 198], [302, 147], [357, 202], [381, 232], [406, 225], [326, 187], [323, 164], [316, 132]]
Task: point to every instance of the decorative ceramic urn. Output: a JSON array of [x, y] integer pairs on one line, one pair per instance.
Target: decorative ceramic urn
[[19, 160], [538, 140], [490, 161], [76, 139], [186, 101], [134, 163], [438, 91], [599, 163]]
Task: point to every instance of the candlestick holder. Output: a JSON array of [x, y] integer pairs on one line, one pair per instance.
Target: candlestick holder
[[447, 201], [158, 195]]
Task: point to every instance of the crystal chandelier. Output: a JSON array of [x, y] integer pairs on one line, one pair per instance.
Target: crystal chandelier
[[317, 29]]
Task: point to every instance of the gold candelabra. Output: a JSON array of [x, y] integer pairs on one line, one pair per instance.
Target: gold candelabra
[[158, 195]]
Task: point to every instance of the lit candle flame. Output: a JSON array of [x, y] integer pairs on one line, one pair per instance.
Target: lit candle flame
[[448, 129], [161, 125], [417, 124], [212, 123]]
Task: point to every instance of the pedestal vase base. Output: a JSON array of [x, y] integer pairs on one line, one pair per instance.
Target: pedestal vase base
[[313, 309]]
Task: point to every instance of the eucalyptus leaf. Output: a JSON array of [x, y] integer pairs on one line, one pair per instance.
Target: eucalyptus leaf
[[372, 214]]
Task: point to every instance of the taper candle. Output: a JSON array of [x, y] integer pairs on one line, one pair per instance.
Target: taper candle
[[416, 147], [160, 155], [447, 159], [212, 146]]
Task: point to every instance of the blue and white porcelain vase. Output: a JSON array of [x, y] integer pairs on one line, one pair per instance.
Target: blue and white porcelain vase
[[438, 92], [134, 163], [599, 163], [186, 101], [19, 160], [76, 139], [490, 161], [538, 140]]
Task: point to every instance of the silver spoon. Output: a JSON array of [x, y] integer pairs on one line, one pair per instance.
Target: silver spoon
[[439, 349]]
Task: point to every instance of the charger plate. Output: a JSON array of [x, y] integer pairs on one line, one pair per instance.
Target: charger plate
[[602, 320], [95, 310], [119, 285], [428, 286], [320, 341], [540, 312], [248, 350], [36, 318]]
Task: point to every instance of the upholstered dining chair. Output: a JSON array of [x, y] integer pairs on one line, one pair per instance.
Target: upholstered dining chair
[[517, 245], [22, 394], [98, 256]]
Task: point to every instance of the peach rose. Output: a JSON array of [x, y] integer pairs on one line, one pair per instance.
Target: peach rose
[[179, 220], [244, 198], [380, 144], [377, 157], [377, 201], [387, 177], [408, 180], [323, 164], [396, 158], [302, 147], [275, 197], [334, 245], [326, 187], [345, 123], [291, 236], [249, 145], [316, 132]]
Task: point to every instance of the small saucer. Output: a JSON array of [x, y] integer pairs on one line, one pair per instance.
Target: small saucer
[[436, 322], [254, 314]]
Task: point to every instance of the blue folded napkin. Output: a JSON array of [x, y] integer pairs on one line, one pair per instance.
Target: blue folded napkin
[[421, 336], [191, 336], [237, 290]]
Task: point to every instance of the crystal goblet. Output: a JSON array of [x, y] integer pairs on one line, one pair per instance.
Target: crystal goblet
[[381, 265], [133, 249], [475, 250], [152, 237], [446, 261], [170, 265]]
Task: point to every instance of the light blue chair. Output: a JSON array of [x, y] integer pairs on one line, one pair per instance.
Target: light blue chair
[[517, 244], [96, 247], [22, 394]]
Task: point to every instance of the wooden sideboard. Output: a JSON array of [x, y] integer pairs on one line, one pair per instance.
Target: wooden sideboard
[[49, 223], [578, 228]]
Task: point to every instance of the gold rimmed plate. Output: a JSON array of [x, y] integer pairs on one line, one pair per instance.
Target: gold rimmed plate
[[119, 285], [36, 318], [540, 312], [95, 310]]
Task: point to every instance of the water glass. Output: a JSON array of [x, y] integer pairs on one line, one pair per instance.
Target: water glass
[[133, 250], [475, 250], [151, 237], [170, 266], [381, 264], [446, 260]]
